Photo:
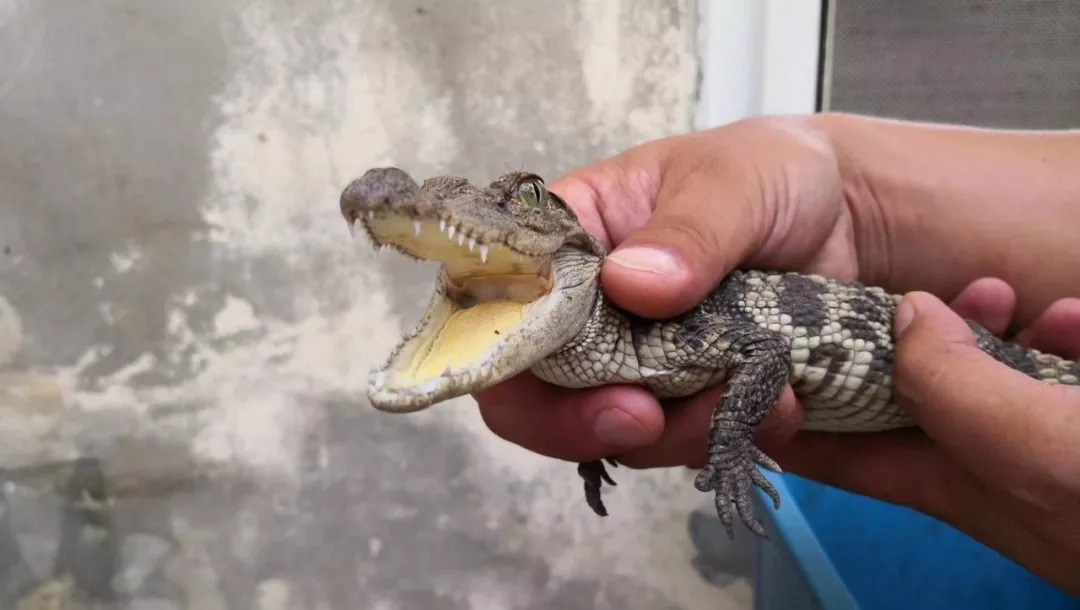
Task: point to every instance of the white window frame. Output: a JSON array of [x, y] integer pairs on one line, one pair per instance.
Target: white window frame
[[760, 57]]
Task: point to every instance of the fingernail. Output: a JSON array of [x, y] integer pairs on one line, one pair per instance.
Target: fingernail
[[616, 427], [644, 258], [905, 313]]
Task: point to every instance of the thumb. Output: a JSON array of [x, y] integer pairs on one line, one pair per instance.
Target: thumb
[[695, 236], [988, 416]]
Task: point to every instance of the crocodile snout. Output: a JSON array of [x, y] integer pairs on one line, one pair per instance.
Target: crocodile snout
[[381, 189]]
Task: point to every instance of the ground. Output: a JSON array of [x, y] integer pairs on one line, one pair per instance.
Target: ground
[[185, 327]]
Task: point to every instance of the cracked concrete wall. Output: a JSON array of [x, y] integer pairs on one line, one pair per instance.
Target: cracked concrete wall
[[184, 422]]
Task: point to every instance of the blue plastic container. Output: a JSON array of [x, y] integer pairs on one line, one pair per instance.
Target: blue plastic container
[[835, 550]]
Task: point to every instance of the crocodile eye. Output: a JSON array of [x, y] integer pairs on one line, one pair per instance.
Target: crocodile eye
[[531, 192]]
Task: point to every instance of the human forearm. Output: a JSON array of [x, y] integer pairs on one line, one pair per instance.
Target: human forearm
[[937, 206]]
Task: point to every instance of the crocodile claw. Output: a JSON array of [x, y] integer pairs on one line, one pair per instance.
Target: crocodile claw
[[732, 475], [594, 475]]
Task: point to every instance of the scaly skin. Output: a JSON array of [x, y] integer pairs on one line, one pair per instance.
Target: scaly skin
[[758, 331]]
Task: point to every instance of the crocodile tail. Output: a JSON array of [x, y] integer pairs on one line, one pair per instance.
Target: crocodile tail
[[1031, 362]]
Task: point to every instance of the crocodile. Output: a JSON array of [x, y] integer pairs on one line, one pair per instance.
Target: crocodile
[[519, 290]]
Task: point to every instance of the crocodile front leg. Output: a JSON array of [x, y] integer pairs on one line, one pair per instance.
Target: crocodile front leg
[[758, 362]]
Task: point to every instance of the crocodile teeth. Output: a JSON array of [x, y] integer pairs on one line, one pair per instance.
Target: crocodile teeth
[[416, 225], [352, 229], [472, 243], [447, 372], [442, 226], [460, 239], [483, 253], [450, 231], [371, 213]]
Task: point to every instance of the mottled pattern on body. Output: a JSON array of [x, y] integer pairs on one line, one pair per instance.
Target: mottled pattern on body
[[838, 337], [841, 346], [1033, 363]]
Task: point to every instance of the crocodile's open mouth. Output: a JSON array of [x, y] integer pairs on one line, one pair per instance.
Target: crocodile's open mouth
[[486, 291]]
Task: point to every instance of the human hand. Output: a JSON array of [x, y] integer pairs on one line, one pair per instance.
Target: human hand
[[764, 193], [995, 452]]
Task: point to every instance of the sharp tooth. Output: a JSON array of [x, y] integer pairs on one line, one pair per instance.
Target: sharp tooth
[[447, 372], [371, 213], [416, 227], [472, 243], [483, 253], [450, 231], [460, 238], [442, 226], [352, 229]]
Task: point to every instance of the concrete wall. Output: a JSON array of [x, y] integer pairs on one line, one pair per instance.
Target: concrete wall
[[196, 326]]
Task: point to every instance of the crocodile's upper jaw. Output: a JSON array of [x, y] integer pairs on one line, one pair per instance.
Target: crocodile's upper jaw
[[504, 298]]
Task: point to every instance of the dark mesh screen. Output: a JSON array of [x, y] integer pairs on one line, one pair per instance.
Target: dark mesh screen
[[1003, 63]]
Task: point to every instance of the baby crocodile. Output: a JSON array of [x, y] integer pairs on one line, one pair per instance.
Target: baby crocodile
[[519, 290]]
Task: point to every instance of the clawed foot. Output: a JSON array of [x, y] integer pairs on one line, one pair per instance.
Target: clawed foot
[[594, 475], [732, 473]]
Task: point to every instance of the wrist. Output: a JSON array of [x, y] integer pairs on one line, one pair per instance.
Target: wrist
[[935, 207]]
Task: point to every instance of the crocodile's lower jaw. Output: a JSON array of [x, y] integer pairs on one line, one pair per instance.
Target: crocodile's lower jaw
[[454, 350]]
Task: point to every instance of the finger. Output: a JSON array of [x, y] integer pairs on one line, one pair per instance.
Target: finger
[[757, 192], [698, 232], [686, 431], [1056, 331], [993, 420], [988, 301], [576, 425], [577, 191], [615, 197], [678, 227], [900, 467], [685, 439]]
